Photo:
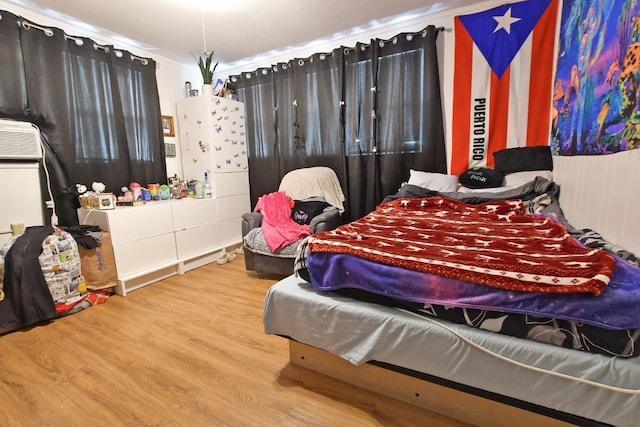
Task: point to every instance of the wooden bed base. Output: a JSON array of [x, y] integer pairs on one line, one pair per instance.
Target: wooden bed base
[[454, 400]]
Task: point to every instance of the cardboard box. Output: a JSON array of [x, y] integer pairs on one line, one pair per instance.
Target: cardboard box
[[99, 265]]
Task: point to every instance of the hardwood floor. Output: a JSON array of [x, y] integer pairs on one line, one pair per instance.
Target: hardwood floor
[[187, 351]]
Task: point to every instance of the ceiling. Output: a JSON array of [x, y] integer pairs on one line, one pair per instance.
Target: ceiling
[[236, 30]]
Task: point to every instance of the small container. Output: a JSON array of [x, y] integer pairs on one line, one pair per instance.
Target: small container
[[208, 193], [146, 195], [199, 190]]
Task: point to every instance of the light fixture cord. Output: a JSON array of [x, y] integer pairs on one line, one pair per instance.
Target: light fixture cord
[[204, 37]]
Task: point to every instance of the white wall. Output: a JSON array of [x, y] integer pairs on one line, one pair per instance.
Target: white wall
[[602, 193]]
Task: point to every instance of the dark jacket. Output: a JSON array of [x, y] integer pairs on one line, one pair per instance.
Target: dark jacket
[[27, 300]]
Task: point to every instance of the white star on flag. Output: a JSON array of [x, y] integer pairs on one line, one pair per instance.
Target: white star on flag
[[505, 21]]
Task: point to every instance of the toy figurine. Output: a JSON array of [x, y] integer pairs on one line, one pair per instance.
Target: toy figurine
[[136, 189], [98, 187], [81, 189], [165, 192], [127, 195]]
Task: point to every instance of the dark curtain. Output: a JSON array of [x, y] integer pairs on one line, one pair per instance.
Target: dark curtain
[[262, 152], [96, 106], [408, 106], [370, 112]]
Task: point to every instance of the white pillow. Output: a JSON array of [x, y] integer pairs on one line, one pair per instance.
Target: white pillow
[[433, 181], [517, 179]]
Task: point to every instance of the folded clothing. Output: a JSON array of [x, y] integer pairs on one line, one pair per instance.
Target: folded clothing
[[87, 236]]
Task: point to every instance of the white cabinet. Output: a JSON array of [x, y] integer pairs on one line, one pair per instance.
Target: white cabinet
[[195, 222], [213, 140], [163, 238], [142, 238], [143, 241]]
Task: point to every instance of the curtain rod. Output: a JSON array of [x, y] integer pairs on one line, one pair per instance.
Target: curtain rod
[[79, 40], [28, 26]]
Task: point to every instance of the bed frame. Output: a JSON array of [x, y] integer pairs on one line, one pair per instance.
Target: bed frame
[[455, 400], [465, 373]]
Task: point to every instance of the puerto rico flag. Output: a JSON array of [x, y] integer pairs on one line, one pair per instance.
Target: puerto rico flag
[[503, 76]]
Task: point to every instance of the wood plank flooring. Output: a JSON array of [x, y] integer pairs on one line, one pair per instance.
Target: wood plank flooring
[[187, 351]]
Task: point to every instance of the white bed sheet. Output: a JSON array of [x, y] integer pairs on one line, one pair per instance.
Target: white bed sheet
[[571, 381]]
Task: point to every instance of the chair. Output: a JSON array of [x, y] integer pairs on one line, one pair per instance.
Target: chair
[[318, 202]]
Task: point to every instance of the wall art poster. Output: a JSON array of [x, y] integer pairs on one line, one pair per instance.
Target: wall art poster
[[595, 102]]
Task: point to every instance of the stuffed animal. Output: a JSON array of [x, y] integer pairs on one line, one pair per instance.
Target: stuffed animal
[[136, 189], [98, 187], [127, 195], [165, 192], [81, 189]]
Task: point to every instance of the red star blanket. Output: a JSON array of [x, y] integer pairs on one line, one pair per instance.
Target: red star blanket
[[494, 244]]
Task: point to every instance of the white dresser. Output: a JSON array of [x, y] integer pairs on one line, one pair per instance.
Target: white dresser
[[163, 238]]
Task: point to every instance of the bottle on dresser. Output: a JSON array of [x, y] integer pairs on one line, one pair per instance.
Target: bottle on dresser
[[199, 190], [207, 186]]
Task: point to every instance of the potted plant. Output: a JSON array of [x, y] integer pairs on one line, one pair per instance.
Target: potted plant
[[207, 69]]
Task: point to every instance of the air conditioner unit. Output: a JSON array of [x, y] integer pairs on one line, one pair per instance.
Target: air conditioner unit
[[19, 141]]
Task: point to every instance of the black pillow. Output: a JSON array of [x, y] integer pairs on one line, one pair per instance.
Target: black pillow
[[481, 178], [303, 212], [521, 159]]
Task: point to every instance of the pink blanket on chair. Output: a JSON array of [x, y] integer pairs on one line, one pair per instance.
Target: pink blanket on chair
[[278, 228]]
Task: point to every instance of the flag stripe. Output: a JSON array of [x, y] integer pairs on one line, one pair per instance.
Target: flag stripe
[[542, 58], [461, 99], [500, 89], [520, 94]]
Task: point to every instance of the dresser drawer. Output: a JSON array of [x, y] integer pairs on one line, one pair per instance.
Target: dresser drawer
[[131, 223], [229, 232], [233, 206], [144, 254], [196, 240], [189, 213], [230, 183]]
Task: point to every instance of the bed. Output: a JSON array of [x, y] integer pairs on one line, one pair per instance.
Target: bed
[[343, 318]]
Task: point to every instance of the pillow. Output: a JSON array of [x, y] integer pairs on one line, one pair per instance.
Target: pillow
[[491, 190], [304, 211], [517, 179], [523, 159], [479, 177], [433, 181]]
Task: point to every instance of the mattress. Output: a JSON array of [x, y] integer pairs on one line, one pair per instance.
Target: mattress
[[508, 262], [572, 321], [600, 388]]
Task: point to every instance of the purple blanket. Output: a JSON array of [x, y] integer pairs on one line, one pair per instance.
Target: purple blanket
[[617, 308]]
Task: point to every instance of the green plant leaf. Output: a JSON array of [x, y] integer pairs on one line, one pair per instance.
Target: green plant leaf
[[204, 63]]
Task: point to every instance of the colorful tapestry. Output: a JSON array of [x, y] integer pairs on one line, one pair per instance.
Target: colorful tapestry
[[503, 81], [596, 87]]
